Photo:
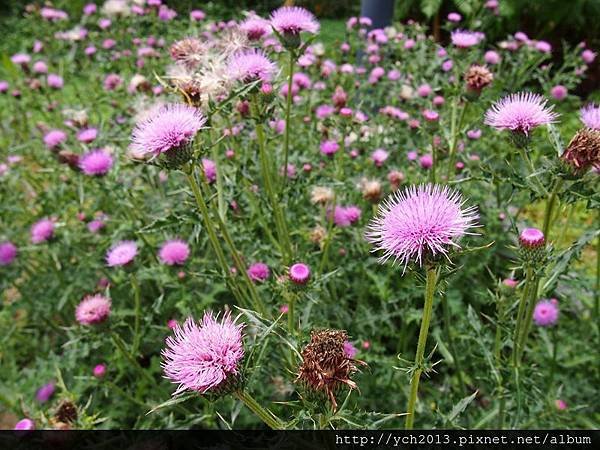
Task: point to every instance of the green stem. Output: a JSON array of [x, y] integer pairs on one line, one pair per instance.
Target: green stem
[[527, 320], [263, 414], [554, 356], [219, 182], [450, 339], [138, 313], [521, 313], [435, 160], [498, 360], [550, 205], [291, 320], [212, 235], [597, 290], [419, 357], [280, 224], [454, 130], [288, 108]]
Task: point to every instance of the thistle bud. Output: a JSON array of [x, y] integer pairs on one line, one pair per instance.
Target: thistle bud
[[532, 245]]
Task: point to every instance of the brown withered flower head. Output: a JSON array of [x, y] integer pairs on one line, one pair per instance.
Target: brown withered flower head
[[325, 365], [478, 77], [66, 412], [188, 52], [583, 152]]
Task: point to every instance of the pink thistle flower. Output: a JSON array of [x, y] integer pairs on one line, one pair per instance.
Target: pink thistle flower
[[521, 112], [93, 309], [251, 65], [465, 38], [546, 313], [255, 27], [8, 253], [561, 405], [87, 135], [44, 393], [121, 254], [454, 17], [430, 115], [55, 81], [531, 238], [284, 309], [474, 134], [54, 138], [420, 222], [299, 273], [203, 357], [329, 147], [197, 15], [379, 156], [97, 162], [99, 370], [40, 67], [258, 271], [25, 425], [510, 283], [42, 231], [20, 59], [174, 252], [588, 56], [424, 90], [170, 127], [491, 57], [292, 20], [559, 92], [590, 116], [112, 81], [426, 161], [210, 169], [350, 350]]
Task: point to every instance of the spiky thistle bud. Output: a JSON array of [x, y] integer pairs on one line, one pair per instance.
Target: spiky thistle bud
[[326, 366], [532, 245]]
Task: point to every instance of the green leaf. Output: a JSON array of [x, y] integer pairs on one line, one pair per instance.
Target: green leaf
[[461, 406], [173, 401], [555, 139], [430, 7]]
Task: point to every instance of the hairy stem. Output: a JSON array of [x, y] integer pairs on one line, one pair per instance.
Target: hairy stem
[[263, 414]]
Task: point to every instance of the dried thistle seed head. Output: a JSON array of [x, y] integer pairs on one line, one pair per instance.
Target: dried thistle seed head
[[478, 77], [317, 234], [371, 190], [321, 195], [188, 51], [583, 152], [66, 412], [325, 365]]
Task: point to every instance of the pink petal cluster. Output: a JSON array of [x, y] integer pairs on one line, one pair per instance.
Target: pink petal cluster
[[169, 127], [420, 221], [255, 27], [258, 271], [201, 357], [546, 313], [42, 231], [251, 65], [95, 163], [93, 309], [8, 253], [174, 252], [294, 20], [344, 216], [465, 38], [121, 254], [521, 112], [54, 138], [590, 116]]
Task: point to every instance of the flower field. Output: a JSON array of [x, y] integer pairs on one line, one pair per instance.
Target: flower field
[[217, 224]]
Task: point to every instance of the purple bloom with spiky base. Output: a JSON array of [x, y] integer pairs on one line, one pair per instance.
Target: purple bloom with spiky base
[[170, 127], [466, 38], [294, 20], [590, 116], [121, 254], [203, 357], [93, 309], [251, 65], [420, 221], [520, 112], [95, 163]]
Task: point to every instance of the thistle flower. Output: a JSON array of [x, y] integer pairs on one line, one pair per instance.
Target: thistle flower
[[546, 312], [93, 309], [8, 252], [95, 163], [204, 357], [87, 135], [99, 370], [299, 273], [478, 77], [532, 245], [170, 129], [255, 27], [25, 424], [121, 254], [329, 147], [326, 366], [379, 156], [292, 20], [188, 51], [583, 152], [258, 271], [465, 38], [520, 113], [54, 138], [44, 393], [590, 116], [174, 252], [42, 231], [419, 223], [251, 65]]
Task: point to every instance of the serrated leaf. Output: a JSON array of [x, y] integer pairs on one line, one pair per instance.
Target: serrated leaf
[[461, 406], [555, 139], [173, 401], [430, 7]]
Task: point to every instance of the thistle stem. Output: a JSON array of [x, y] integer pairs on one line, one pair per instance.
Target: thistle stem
[[288, 107], [420, 354], [138, 313], [263, 414], [527, 320], [212, 235], [550, 206], [521, 313]]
